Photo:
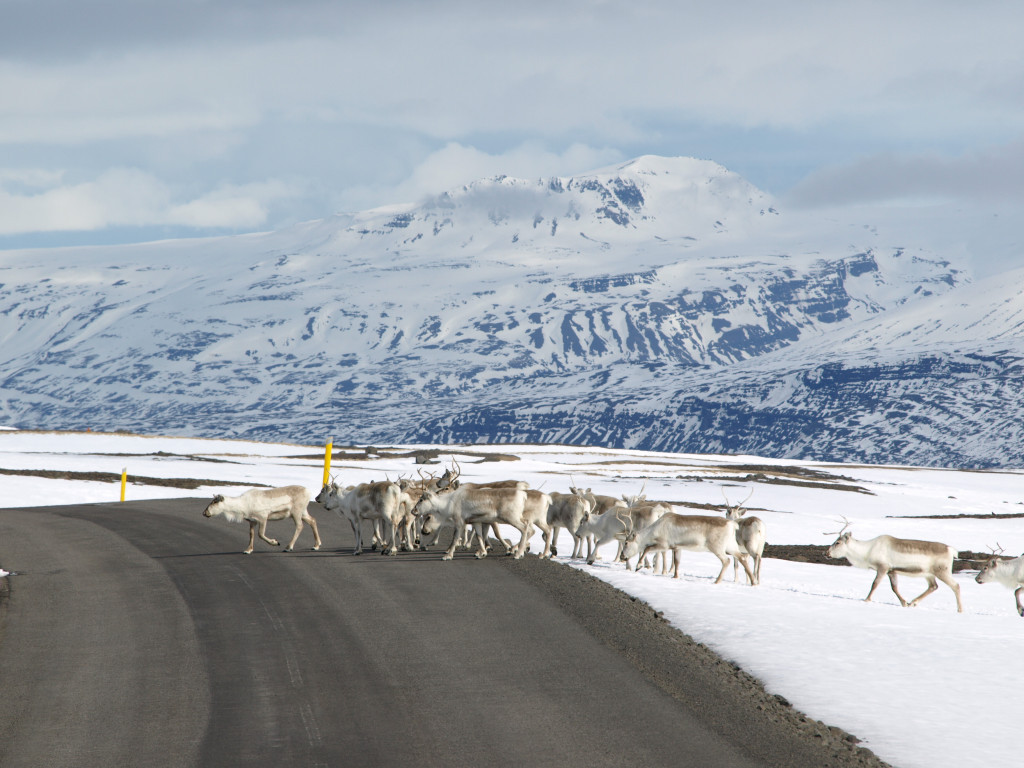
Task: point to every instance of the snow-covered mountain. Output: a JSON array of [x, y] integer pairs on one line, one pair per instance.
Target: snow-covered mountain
[[664, 303]]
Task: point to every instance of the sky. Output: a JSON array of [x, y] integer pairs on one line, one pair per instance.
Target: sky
[[131, 120]]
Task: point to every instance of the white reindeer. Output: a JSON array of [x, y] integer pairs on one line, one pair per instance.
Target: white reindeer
[[479, 507], [379, 502], [1008, 572], [260, 505], [567, 511], [887, 555], [591, 527], [750, 535], [673, 532]]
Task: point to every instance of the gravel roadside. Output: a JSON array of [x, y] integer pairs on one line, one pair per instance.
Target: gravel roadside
[[727, 699]]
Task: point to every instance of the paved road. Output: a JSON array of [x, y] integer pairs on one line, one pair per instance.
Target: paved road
[[137, 634]]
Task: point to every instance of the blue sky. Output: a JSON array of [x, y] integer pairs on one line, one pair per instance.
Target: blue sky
[[127, 120]]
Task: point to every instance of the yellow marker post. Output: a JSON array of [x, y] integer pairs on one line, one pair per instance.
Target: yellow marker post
[[327, 459], [124, 481]]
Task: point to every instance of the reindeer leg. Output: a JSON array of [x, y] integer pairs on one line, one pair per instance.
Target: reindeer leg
[[497, 534], [298, 530], [592, 553], [932, 586], [949, 580], [459, 526], [1016, 594], [892, 583], [639, 559], [746, 567], [549, 548], [725, 564], [357, 532], [874, 585], [263, 534], [316, 533], [252, 537], [481, 541], [524, 541]]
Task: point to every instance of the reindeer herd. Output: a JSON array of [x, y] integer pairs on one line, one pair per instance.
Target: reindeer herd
[[410, 515]]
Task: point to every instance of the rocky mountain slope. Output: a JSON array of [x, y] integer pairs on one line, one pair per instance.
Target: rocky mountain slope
[[664, 303]]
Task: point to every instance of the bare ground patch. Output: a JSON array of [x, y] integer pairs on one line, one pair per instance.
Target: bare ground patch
[[113, 477]]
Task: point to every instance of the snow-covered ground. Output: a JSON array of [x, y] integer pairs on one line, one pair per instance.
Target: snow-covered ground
[[923, 687]]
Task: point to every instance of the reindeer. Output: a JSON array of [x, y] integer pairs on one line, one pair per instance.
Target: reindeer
[[450, 481], [674, 532], [567, 511], [378, 502], [642, 514], [616, 523], [1007, 571], [589, 525], [750, 535], [599, 504], [887, 555], [479, 506], [260, 505]]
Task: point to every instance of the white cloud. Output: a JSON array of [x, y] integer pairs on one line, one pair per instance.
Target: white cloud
[[126, 197], [457, 164], [205, 94]]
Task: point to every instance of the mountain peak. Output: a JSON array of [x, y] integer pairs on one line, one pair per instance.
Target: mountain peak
[[646, 199]]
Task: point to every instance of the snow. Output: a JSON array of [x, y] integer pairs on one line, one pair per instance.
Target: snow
[[922, 687]]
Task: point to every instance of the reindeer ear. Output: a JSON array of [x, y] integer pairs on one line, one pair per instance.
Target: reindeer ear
[[218, 498]]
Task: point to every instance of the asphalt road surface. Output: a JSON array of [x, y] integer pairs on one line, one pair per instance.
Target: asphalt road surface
[[138, 634]]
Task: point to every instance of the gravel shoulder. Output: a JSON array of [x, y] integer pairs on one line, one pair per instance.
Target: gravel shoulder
[[727, 699]]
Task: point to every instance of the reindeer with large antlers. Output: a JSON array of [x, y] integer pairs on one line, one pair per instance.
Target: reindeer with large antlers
[[888, 556], [673, 532]]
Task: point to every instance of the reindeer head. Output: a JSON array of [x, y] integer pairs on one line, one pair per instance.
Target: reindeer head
[[839, 546], [210, 510], [428, 502], [988, 571], [426, 510], [735, 513], [450, 478], [630, 547]]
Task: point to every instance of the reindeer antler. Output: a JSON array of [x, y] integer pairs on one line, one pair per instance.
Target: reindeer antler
[[627, 522], [636, 498], [842, 530], [740, 505]]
